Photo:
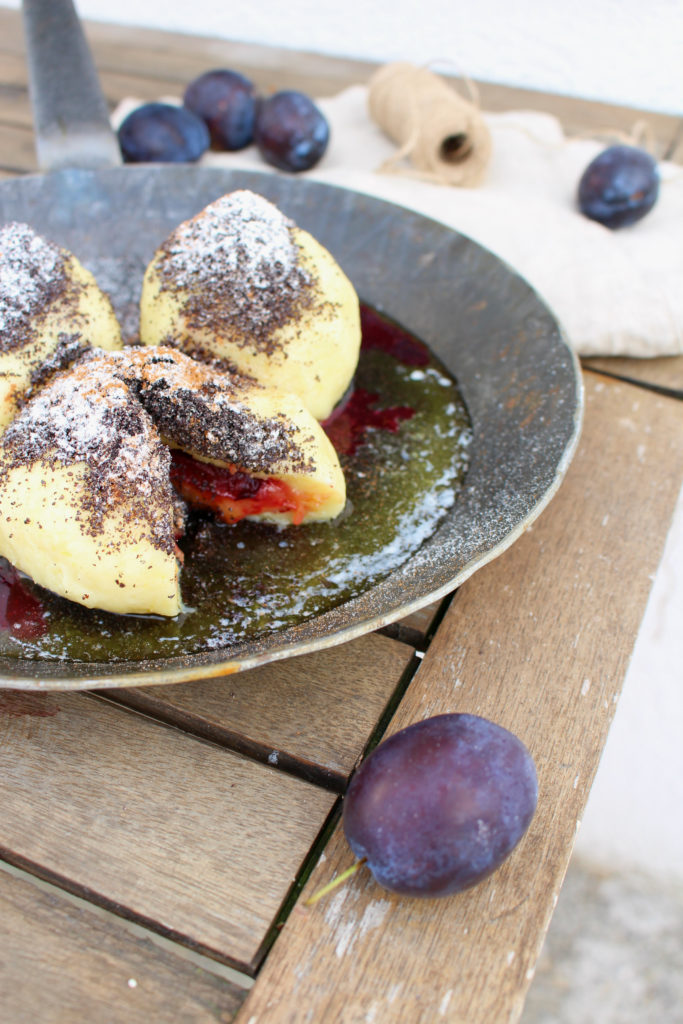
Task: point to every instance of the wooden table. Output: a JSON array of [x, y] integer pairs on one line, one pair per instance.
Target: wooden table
[[157, 844]]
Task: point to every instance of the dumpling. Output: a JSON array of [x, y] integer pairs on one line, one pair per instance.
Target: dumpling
[[51, 309], [89, 509], [243, 284]]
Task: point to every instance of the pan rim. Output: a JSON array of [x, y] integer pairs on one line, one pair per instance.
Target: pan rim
[[36, 674]]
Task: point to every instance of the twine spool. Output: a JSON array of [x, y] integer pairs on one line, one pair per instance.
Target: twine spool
[[444, 136]]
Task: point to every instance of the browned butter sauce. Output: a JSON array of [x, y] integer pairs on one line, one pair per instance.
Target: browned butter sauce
[[402, 436]]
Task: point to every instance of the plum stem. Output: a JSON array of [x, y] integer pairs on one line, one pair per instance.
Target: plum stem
[[323, 891]]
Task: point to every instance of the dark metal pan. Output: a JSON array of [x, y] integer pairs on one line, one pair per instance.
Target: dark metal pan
[[517, 374]]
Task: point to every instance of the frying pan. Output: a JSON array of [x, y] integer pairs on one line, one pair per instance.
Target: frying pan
[[517, 374]]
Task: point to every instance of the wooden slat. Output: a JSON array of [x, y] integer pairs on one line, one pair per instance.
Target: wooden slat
[[312, 715], [61, 962], [172, 831], [663, 372], [163, 55], [270, 68], [674, 151], [322, 75], [15, 104], [11, 31], [17, 150], [416, 628], [538, 641], [157, 54]]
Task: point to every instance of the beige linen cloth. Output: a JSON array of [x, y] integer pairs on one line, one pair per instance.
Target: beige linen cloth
[[614, 292]]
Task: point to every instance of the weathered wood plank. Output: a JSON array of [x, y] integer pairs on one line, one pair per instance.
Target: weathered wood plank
[[415, 628], [17, 150], [663, 372], [15, 104], [311, 715], [157, 54], [323, 75], [674, 151], [539, 641], [60, 961], [174, 832]]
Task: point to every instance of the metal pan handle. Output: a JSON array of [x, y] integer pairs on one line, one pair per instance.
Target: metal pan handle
[[71, 119]]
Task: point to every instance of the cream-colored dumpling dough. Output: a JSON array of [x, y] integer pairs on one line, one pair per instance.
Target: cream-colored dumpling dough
[[51, 308], [88, 510], [88, 507], [241, 283], [42, 534]]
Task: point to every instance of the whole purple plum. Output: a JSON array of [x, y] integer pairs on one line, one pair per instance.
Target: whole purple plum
[[162, 133], [226, 101], [619, 186], [291, 133], [438, 806]]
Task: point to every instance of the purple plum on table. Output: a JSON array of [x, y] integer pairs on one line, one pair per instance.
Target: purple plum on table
[[619, 186], [437, 807], [226, 102], [291, 133], [162, 133]]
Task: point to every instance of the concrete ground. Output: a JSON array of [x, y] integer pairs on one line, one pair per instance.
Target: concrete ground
[[613, 954]]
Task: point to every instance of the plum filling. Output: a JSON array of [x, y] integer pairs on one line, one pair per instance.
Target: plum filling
[[233, 494], [348, 425], [21, 613], [381, 333]]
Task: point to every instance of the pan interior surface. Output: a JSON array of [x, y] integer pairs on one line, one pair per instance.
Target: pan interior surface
[[482, 323]]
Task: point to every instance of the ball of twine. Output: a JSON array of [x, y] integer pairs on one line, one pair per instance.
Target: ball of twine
[[442, 134]]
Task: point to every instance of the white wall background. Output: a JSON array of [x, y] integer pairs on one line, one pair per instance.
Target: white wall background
[[634, 814], [620, 51]]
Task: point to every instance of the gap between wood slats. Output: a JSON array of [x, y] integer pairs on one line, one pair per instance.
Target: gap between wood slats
[[177, 942], [659, 389], [187, 840], [417, 630], [315, 854], [311, 716], [139, 701], [91, 897], [48, 879], [171, 939], [63, 961], [663, 374], [220, 970]]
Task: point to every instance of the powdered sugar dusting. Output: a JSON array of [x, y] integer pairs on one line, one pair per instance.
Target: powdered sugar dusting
[[235, 269], [117, 412], [206, 412], [240, 234], [74, 415], [31, 273], [85, 415]]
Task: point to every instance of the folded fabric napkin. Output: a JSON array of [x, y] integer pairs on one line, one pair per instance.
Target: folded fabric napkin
[[614, 292]]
